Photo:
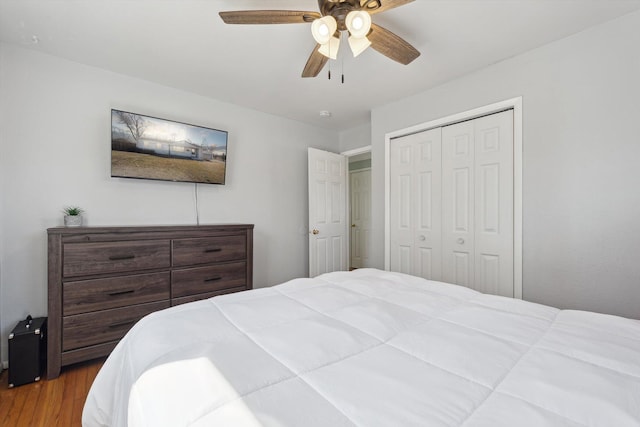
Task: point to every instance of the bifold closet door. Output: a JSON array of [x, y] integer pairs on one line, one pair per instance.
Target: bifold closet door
[[477, 203], [458, 234], [415, 204], [451, 204]]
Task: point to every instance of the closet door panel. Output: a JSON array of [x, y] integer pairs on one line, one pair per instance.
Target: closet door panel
[[401, 216], [462, 268], [494, 203], [458, 203], [415, 204], [428, 224]]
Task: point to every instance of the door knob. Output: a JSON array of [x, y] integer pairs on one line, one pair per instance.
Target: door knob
[[460, 240], [353, 225], [422, 238], [316, 231]]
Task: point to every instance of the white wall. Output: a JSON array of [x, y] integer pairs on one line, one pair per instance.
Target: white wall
[[55, 145], [356, 137], [581, 147]]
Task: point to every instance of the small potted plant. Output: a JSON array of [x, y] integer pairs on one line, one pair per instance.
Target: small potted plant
[[72, 216]]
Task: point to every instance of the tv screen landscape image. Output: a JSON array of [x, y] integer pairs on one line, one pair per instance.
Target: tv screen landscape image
[[151, 148]]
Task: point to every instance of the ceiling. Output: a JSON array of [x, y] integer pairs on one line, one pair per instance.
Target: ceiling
[[184, 44]]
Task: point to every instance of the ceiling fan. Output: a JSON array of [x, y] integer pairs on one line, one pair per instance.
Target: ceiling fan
[[336, 16]]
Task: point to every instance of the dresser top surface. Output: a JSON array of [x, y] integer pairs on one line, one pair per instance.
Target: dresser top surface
[[145, 228]]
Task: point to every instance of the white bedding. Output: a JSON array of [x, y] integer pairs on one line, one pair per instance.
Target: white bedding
[[370, 348]]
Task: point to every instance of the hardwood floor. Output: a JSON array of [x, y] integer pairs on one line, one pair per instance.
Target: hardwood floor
[[51, 403]]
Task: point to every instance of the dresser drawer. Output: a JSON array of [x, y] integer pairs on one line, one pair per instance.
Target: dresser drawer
[[100, 327], [206, 250], [102, 294], [82, 259], [206, 295], [208, 279]]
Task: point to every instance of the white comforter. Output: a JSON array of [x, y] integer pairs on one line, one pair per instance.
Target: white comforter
[[370, 348]]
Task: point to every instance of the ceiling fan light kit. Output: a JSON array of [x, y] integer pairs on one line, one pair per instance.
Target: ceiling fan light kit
[[358, 45], [330, 49], [323, 29], [336, 16], [358, 23]]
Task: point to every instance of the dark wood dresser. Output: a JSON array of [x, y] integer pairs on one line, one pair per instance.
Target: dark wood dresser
[[102, 280]]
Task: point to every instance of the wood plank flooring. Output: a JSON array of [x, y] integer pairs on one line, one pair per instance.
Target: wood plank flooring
[[51, 403]]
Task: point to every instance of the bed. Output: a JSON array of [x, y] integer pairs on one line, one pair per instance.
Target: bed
[[370, 348]]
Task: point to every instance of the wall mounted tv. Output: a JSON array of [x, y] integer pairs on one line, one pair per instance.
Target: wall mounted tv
[[151, 148]]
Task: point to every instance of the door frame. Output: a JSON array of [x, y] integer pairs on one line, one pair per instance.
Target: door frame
[[347, 207], [516, 105]]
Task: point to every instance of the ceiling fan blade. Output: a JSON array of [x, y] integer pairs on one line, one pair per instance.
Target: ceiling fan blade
[[370, 6], [268, 17], [391, 45], [315, 63]]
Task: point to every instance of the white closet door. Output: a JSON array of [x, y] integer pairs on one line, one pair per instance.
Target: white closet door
[[401, 205], [428, 211], [415, 211], [494, 204], [457, 203], [477, 205]]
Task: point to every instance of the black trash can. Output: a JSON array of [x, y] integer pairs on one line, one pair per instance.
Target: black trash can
[[27, 351]]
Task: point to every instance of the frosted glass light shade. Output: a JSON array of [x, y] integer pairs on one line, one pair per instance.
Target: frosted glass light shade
[[358, 45], [323, 29], [330, 49], [358, 23]]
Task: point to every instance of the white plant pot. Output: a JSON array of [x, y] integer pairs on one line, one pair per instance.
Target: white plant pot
[[72, 220]]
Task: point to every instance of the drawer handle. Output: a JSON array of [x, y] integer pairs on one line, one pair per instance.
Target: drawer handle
[[213, 279], [212, 250], [113, 294], [121, 257], [125, 323]]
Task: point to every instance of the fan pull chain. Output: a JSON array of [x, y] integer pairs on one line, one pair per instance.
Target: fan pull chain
[[342, 70], [329, 73]]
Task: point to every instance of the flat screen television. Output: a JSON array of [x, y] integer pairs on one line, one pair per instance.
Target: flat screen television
[[146, 147]]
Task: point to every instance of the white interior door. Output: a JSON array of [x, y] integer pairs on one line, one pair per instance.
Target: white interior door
[[415, 211], [328, 225], [360, 199]]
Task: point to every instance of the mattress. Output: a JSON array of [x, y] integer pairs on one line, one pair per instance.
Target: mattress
[[370, 348]]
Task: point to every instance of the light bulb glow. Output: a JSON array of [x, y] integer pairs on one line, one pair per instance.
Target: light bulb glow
[[323, 29], [357, 23]]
